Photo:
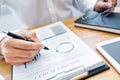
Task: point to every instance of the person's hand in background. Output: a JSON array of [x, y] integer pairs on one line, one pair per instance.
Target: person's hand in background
[[16, 51], [102, 5]]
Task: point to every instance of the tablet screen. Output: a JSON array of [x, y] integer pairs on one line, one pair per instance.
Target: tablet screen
[[113, 49]]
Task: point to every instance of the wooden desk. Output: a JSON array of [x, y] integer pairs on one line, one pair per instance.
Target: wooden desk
[[91, 37]]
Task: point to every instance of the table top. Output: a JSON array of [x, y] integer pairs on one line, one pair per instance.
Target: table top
[[91, 38]]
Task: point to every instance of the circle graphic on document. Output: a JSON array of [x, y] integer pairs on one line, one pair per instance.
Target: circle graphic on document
[[65, 47]]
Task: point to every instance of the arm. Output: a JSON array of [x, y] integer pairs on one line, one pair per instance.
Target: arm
[[17, 51], [97, 5]]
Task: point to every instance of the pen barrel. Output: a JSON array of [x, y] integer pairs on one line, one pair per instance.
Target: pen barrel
[[22, 38], [16, 36]]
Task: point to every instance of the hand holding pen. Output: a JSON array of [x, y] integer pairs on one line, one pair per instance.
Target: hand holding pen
[[18, 51]]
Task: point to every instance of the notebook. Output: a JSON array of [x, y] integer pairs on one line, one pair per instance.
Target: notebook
[[68, 57], [110, 49], [105, 21]]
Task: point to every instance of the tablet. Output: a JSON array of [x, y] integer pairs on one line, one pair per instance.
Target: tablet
[[110, 49]]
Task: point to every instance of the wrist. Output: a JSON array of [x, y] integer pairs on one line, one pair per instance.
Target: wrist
[[1, 56], [2, 36]]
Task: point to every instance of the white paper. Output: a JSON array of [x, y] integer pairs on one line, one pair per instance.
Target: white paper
[[66, 52]]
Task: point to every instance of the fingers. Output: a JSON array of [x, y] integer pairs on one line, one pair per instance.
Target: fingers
[[29, 35], [23, 45], [19, 53], [17, 60], [113, 2], [16, 51], [106, 6], [17, 56], [103, 5]]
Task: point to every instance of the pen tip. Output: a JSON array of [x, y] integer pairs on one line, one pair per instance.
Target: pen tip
[[46, 48]]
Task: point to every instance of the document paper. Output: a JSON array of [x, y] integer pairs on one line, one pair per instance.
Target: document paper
[[67, 52]]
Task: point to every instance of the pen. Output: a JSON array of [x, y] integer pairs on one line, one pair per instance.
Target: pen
[[20, 37]]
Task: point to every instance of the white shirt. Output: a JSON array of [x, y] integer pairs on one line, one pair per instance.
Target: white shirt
[[36, 12]]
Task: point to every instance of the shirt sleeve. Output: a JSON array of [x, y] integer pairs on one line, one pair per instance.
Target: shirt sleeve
[[1, 2], [85, 5]]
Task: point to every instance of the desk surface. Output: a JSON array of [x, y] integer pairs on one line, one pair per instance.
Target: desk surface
[[91, 37]]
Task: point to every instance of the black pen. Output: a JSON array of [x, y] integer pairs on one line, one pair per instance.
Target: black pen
[[20, 37]]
